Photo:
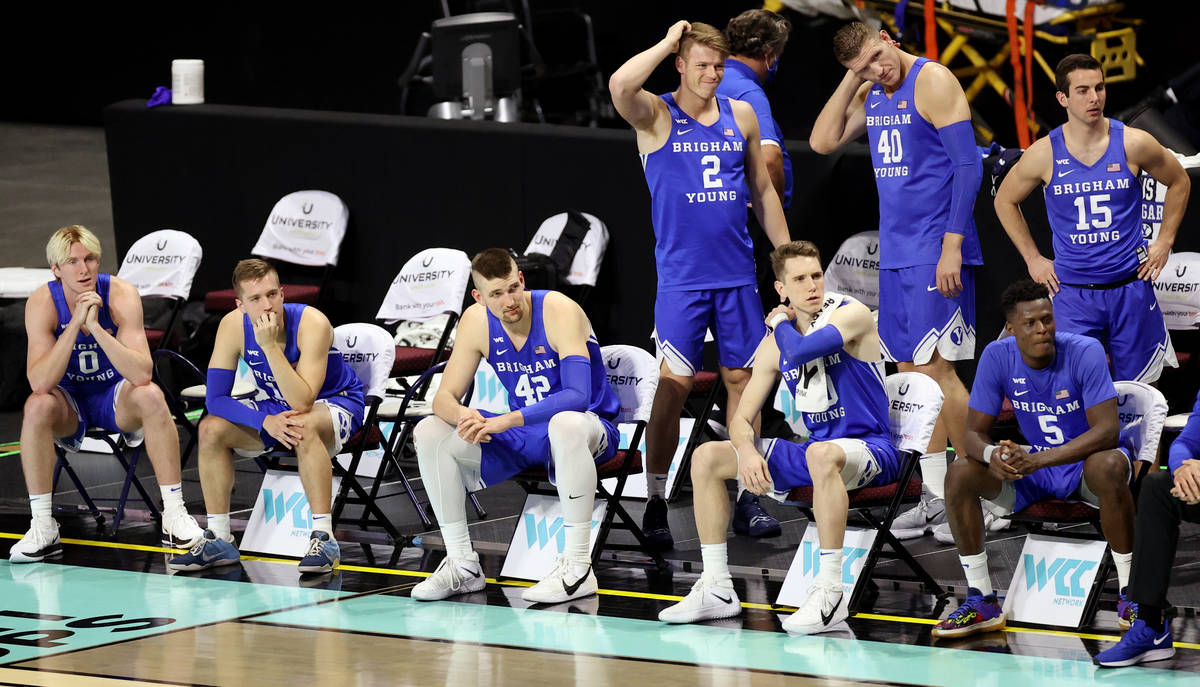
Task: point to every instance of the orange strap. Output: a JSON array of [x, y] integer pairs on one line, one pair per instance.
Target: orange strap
[[1018, 99], [1029, 29], [931, 46]]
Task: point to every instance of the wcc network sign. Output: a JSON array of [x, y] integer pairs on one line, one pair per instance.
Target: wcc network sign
[[540, 537], [1053, 579]]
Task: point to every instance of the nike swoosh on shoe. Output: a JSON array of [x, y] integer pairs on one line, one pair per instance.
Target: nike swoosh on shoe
[[572, 588]]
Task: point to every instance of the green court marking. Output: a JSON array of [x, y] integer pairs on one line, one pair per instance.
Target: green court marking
[[835, 655], [47, 609]]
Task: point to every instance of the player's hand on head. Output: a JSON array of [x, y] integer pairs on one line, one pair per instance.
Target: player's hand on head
[[1156, 259], [285, 428], [675, 33], [1041, 270]]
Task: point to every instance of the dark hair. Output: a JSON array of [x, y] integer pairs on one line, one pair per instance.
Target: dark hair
[[754, 33], [1072, 63], [493, 263], [1022, 291], [251, 269], [794, 249], [848, 42]]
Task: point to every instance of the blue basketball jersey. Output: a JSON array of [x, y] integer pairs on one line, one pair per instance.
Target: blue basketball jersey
[[698, 198], [858, 395], [88, 365], [1050, 404], [532, 373], [1095, 213], [340, 379], [915, 178]]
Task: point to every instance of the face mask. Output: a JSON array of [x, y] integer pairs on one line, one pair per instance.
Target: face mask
[[772, 70]]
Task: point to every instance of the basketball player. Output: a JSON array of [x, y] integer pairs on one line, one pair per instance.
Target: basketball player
[[927, 171], [543, 350], [309, 401], [703, 162], [822, 336], [1066, 406], [89, 367], [1103, 268]]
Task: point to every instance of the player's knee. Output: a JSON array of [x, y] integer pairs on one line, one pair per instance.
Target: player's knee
[[213, 430], [566, 425], [1107, 472], [429, 431], [825, 459], [960, 476], [735, 379], [40, 408], [713, 460], [147, 398]]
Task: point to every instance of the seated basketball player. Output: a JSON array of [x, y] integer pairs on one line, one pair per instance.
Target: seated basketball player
[[309, 401], [826, 347], [1066, 405], [543, 350]]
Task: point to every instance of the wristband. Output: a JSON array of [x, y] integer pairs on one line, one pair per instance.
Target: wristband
[[774, 321], [987, 453]]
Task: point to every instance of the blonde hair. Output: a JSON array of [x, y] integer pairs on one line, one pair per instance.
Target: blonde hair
[[58, 248], [706, 35]]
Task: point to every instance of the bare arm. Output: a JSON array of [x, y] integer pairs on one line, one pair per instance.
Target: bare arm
[[976, 438], [768, 206], [128, 351], [843, 118], [773, 159], [1031, 171], [1104, 429], [641, 108], [1144, 151], [752, 467], [48, 355], [227, 347], [300, 386], [460, 369]]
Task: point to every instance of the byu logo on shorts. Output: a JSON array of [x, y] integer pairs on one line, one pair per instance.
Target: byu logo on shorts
[[956, 336]]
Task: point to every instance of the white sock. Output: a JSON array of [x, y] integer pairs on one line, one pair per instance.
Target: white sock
[[40, 506], [321, 522], [830, 571], [716, 563], [172, 497], [219, 524], [976, 569], [1123, 561], [933, 474], [457, 539], [575, 543], [656, 485]]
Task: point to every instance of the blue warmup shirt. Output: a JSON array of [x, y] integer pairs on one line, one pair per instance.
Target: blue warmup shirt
[[532, 373], [88, 365], [859, 407], [741, 83], [698, 197], [915, 178], [340, 379], [1095, 213], [1050, 404]]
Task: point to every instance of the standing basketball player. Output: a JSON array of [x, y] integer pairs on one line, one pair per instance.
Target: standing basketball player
[[703, 162], [928, 172], [1103, 267]]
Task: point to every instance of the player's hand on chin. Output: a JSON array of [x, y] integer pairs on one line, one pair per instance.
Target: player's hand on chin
[[266, 329]]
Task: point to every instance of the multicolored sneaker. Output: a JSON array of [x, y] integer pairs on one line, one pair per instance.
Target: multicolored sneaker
[[751, 519], [1141, 644], [978, 613], [1126, 610], [211, 552], [323, 555]]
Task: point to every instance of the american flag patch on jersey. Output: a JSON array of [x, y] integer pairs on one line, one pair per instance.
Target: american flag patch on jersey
[[539, 349], [727, 132], [902, 105], [1061, 394], [1114, 167]]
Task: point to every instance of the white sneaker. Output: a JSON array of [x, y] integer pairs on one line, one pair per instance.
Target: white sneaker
[[825, 607], [563, 583], [708, 600], [453, 576], [922, 518], [39, 543], [991, 523], [180, 530]]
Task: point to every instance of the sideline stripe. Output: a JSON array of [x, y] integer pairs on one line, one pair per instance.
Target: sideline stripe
[[602, 592]]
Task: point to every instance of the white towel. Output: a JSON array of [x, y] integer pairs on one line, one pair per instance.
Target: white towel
[[813, 392]]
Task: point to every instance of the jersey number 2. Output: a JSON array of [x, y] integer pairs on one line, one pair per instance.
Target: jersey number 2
[[712, 167]]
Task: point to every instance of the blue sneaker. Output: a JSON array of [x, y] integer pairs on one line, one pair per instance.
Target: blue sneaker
[[209, 553], [978, 613], [1139, 645], [749, 518], [323, 555], [1126, 611]]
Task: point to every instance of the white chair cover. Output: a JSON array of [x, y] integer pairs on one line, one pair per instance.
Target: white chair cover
[[304, 228], [431, 283], [162, 264], [633, 374], [914, 401], [369, 350], [1178, 291], [854, 269], [1142, 410], [585, 268]]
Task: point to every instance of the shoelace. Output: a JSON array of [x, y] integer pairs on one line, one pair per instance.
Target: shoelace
[[314, 547], [962, 610]]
